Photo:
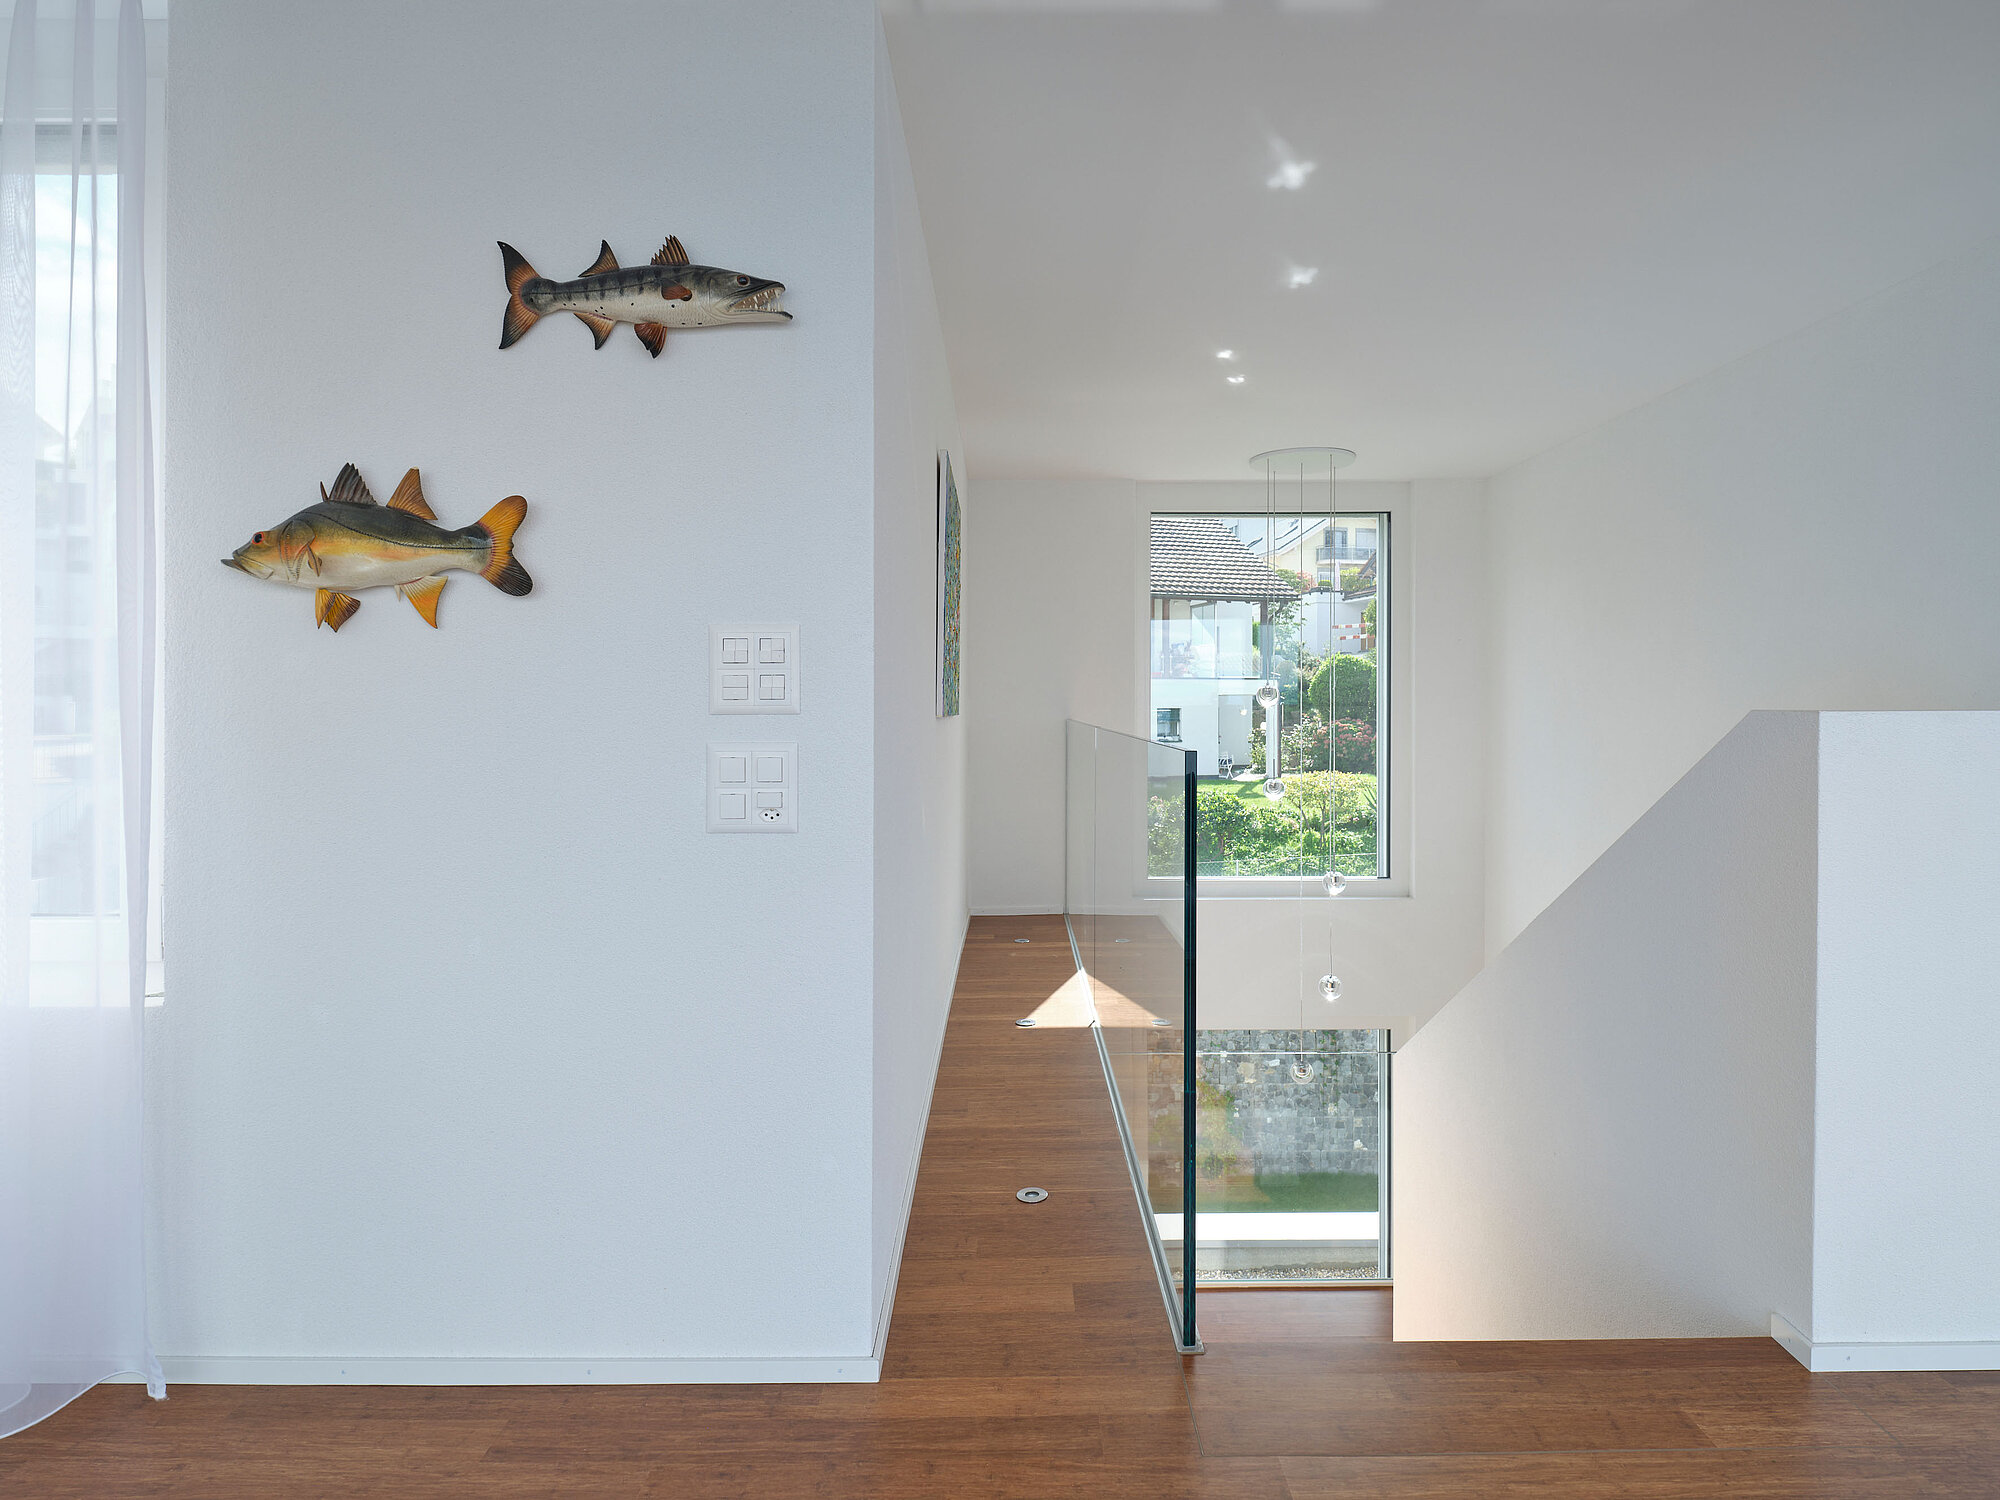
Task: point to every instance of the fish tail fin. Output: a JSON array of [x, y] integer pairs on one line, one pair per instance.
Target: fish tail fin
[[497, 527], [519, 317]]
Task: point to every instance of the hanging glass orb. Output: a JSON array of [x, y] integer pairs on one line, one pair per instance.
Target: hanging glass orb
[[1275, 788], [1268, 695], [1329, 987], [1302, 1071], [1333, 882]]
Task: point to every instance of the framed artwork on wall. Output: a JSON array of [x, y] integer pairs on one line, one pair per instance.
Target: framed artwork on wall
[[950, 558]]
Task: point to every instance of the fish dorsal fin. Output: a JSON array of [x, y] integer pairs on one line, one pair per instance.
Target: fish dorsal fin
[[409, 496], [348, 488], [672, 253], [605, 261]]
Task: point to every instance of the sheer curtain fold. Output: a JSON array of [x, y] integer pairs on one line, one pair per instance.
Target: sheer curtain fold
[[77, 625]]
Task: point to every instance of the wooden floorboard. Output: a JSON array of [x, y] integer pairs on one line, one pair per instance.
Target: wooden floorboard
[[1029, 1357]]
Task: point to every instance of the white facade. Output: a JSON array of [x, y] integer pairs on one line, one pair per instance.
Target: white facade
[[1215, 716]]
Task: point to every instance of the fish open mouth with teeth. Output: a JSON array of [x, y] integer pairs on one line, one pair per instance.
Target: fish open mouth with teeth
[[669, 292]]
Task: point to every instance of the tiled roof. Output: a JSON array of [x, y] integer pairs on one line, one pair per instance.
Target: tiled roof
[[1197, 557]]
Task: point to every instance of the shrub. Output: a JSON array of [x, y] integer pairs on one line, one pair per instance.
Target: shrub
[[1352, 684], [1239, 834], [1354, 746]]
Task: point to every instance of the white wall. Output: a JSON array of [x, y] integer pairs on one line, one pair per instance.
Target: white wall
[[1057, 629], [1742, 1067], [1609, 1133], [919, 758], [1907, 1136], [477, 1044], [1810, 527]]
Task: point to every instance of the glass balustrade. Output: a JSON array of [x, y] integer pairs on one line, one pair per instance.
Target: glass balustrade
[[1292, 1166], [1130, 903]]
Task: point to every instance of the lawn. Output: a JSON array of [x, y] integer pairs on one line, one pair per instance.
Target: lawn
[[1279, 1193], [1292, 1193]]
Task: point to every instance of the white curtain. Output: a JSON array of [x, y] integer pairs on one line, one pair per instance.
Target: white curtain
[[77, 613]]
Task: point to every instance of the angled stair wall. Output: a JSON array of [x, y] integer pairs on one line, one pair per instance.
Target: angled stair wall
[[1740, 1075]]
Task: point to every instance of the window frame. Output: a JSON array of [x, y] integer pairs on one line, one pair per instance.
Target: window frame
[[1393, 778]]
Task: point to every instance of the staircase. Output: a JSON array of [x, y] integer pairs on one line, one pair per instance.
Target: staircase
[[1743, 1075]]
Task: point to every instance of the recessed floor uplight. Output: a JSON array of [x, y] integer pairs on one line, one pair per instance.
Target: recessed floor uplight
[[1300, 276], [1234, 379]]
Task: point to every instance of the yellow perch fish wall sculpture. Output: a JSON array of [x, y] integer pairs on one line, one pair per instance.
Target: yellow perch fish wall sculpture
[[347, 541], [669, 292]]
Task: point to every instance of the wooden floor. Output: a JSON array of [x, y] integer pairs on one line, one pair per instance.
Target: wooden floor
[[1029, 1356]]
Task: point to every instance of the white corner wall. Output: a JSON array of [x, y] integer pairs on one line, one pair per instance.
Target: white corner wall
[[919, 771], [479, 1054], [1057, 629], [1809, 527], [1738, 1076], [1907, 1129], [1608, 1133]]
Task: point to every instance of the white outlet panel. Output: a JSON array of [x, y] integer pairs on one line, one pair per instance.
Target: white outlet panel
[[753, 788], [753, 669]]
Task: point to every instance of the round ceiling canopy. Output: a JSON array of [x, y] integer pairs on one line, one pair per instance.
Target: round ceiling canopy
[[1307, 461]]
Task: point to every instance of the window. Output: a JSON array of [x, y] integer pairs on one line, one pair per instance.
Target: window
[[1292, 1165], [1297, 603], [76, 855]]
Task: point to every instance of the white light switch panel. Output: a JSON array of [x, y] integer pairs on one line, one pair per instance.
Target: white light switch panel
[[753, 788], [753, 669]]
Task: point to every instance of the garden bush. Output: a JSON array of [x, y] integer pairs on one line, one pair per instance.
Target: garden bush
[[1251, 835], [1354, 746], [1353, 684]]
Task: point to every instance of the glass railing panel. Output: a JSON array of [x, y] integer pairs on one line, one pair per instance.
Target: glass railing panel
[[1132, 919], [1291, 1169], [1080, 839]]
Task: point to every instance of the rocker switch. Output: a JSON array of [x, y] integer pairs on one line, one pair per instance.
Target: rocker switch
[[753, 669]]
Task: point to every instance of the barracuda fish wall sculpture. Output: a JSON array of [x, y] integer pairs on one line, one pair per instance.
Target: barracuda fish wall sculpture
[[347, 541], [668, 293]]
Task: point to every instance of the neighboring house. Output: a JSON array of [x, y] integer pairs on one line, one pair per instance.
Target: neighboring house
[[1211, 641]]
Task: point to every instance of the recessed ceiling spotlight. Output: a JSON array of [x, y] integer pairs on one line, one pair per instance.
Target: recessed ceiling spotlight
[[1300, 276], [1290, 175], [1225, 354], [1234, 379]]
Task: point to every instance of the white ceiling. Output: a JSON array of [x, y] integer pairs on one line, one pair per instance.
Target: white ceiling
[[1526, 215]]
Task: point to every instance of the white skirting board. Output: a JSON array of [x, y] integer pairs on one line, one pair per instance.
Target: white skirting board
[[1017, 911], [225, 1369], [1951, 1355]]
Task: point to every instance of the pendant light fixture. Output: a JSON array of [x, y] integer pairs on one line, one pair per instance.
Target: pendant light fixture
[[1301, 469]]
